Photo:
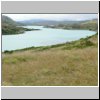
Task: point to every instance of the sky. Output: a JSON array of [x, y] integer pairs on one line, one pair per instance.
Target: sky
[[56, 17]]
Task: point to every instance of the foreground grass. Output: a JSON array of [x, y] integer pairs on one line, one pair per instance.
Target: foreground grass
[[69, 64]]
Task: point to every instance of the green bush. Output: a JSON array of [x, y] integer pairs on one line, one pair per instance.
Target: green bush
[[8, 52], [82, 43]]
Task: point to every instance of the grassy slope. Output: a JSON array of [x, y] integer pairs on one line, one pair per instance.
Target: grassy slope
[[72, 64]]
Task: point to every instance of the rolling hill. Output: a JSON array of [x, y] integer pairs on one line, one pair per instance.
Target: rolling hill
[[88, 25], [10, 26]]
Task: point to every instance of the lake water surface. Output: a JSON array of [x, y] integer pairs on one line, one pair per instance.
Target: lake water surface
[[43, 37]]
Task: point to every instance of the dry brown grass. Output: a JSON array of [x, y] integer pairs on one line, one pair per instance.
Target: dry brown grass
[[52, 67]]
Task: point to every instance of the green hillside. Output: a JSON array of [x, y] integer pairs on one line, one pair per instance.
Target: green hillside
[[9, 27], [92, 24], [8, 21], [88, 25]]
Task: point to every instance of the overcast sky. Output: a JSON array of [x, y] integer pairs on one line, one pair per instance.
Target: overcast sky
[[57, 17]]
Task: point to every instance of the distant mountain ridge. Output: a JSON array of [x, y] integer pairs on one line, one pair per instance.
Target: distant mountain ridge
[[50, 22], [46, 22]]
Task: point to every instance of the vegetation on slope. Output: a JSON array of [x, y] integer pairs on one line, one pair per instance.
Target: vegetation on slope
[[11, 27], [8, 21], [88, 25], [69, 64]]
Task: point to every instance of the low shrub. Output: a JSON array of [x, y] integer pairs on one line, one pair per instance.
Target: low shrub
[[8, 52]]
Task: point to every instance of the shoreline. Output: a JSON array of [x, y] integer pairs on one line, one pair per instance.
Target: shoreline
[[49, 66], [49, 46], [28, 29], [71, 29], [23, 32]]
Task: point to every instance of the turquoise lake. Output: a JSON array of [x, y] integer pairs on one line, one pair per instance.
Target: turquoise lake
[[42, 37]]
